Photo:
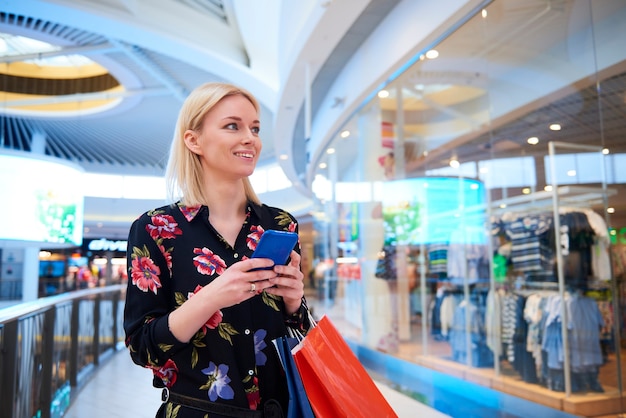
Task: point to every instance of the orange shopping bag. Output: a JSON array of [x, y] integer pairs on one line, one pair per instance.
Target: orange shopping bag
[[335, 382]]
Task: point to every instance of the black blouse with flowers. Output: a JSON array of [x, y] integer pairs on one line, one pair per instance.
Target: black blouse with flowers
[[172, 252]]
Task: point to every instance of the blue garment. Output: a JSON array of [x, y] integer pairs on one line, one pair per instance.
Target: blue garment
[[584, 325], [553, 337], [482, 356]]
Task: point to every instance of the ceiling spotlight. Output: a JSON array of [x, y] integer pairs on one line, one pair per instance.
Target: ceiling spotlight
[[330, 151], [383, 94], [432, 54], [484, 13], [454, 163], [322, 165], [571, 173], [345, 134], [605, 151], [555, 127], [533, 140], [610, 210]]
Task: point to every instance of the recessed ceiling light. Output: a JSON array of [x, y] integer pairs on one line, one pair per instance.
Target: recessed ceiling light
[[605, 151], [555, 127], [330, 151], [383, 94], [571, 173], [345, 134], [610, 210], [484, 13], [432, 54], [526, 190], [454, 163], [533, 140], [322, 165]]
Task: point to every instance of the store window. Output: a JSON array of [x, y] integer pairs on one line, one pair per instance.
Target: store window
[[490, 207]]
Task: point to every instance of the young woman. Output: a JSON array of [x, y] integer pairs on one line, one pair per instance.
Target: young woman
[[198, 311]]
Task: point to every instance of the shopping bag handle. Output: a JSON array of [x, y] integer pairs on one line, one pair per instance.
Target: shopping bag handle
[[312, 320], [297, 334]]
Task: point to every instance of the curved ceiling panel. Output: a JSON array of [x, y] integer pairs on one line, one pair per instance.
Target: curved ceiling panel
[[120, 116]]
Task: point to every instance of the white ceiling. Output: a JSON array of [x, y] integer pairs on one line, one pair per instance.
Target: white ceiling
[[160, 50]]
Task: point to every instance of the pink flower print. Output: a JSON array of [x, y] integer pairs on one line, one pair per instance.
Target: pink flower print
[[145, 274], [253, 394], [167, 255], [163, 226], [215, 320], [167, 373], [190, 212], [252, 240], [207, 262]]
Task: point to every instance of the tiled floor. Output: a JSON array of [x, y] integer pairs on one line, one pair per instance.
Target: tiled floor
[[120, 389]]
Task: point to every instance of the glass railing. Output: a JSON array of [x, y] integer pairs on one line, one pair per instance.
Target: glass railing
[[49, 347]]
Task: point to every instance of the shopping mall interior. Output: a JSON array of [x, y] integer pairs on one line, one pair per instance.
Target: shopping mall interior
[[454, 167]]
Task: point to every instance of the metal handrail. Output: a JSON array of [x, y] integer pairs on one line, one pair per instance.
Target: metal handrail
[[50, 346]]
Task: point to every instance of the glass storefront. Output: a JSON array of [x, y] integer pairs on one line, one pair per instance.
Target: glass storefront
[[475, 209]]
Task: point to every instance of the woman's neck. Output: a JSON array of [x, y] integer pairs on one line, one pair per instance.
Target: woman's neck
[[226, 198], [227, 210]]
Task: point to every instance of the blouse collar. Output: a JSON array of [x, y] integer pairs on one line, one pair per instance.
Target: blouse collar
[[190, 212]]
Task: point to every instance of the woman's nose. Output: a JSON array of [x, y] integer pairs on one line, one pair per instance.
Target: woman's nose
[[249, 136]]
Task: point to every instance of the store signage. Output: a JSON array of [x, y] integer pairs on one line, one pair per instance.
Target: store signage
[[49, 207], [618, 235], [104, 244]]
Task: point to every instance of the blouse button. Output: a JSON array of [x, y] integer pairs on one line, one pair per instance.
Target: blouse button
[[250, 372], [247, 332], [236, 255]]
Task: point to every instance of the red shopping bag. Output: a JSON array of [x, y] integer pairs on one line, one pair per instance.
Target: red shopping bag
[[335, 382]]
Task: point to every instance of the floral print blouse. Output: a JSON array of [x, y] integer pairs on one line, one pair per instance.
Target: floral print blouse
[[172, 252]]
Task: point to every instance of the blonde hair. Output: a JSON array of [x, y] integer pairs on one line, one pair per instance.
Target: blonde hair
[[183, 175]]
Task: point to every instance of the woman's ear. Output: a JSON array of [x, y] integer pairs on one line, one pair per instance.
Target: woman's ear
[[191, 141]]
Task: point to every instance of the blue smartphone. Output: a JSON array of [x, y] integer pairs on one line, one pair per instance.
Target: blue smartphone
[[276, 245]]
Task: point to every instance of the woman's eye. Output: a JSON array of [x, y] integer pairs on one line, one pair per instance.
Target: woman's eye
[[256, 130], [231, 126]]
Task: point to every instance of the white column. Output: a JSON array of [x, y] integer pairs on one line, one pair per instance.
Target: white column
[[376, 298], [30, 274]]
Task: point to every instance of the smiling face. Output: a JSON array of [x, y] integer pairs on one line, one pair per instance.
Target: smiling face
[[228, 142]]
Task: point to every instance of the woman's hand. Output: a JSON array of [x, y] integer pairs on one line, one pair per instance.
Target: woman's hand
[[289, 283], [239, 282]]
